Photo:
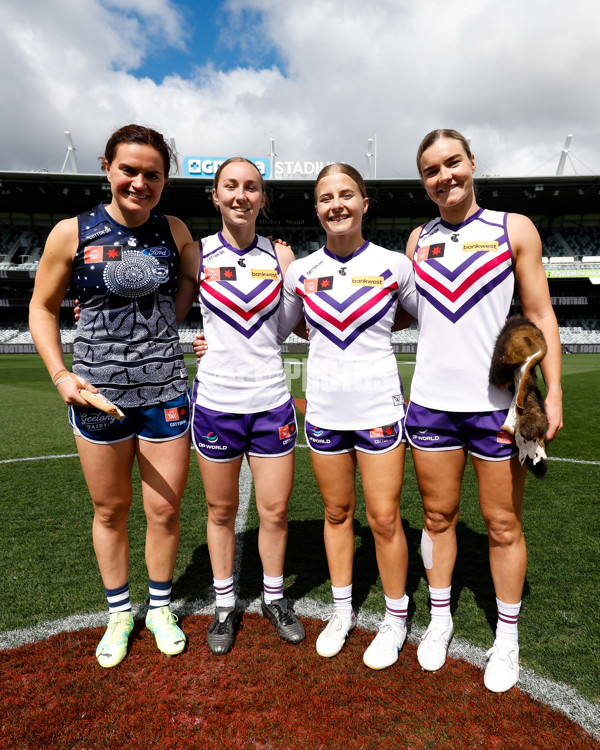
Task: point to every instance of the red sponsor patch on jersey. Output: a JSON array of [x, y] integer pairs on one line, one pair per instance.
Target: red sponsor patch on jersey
[[376, 432], [505, 437], [220, 274], [431, 251], [102, 253], [175, 413], [318, 285], [287, 431]]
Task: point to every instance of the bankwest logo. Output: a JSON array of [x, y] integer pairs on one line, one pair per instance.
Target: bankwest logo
[[367, 281], [264, 273], [480, 247]]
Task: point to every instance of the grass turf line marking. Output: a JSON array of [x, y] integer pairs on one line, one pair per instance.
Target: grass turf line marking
[[245, 490], [38, 458], [298, 445]]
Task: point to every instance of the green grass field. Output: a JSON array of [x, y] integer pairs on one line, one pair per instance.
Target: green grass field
[[48, 567]]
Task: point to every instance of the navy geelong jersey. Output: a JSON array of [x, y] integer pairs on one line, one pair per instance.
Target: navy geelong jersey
[[127, 343]]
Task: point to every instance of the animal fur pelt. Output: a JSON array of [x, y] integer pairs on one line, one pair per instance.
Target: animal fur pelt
[[519, 348]]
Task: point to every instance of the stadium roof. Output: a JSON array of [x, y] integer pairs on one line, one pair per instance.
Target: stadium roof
[[24, 194]]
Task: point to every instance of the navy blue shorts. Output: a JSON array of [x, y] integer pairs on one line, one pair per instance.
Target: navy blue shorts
[[479, 432], [165, 421], [219, 436], [375, 440]]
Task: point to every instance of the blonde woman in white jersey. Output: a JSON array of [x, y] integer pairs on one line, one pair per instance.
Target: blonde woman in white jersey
[[350, 291], [241, 403], [467, 264]]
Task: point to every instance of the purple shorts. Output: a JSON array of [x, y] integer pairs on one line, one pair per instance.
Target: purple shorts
[[479, 432], [219, 436], [375, 440], [157, 423]]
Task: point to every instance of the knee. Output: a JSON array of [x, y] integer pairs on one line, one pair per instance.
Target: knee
[[163, 514], [275, 517], [503, 531], [336, 515], [384, 525], [437, 522], [112, 514], [220, 516]]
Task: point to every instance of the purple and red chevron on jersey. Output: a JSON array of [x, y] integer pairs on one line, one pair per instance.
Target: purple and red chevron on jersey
[[352, 375], [466, 274], [246, 296], [465, 294], [240, 301], [342, 312]]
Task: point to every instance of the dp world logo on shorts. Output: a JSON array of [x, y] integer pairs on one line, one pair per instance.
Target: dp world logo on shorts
[[212, 437], [316, 431]]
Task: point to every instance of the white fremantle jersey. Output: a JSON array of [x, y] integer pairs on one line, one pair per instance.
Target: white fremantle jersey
[[349, 304], [240, 291], [465, 281]]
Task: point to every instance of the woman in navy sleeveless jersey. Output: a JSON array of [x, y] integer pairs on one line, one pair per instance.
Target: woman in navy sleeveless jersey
[[122, 260], [467, 264]]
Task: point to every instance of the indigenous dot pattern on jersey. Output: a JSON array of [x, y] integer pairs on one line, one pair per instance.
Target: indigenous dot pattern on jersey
[[126, 278]]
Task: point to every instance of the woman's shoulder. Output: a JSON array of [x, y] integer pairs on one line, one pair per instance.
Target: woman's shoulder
[[65, 230]]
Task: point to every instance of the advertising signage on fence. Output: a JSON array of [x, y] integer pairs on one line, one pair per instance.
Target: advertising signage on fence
[[206, 166], [572, 273]]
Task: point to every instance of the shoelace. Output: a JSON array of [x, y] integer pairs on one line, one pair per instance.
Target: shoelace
[[508, 656], [113, 629], [222, 626], [283, 617], [335, 620]]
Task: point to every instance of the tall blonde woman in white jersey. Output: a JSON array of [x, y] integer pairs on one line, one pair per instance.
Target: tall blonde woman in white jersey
[[467, 264]]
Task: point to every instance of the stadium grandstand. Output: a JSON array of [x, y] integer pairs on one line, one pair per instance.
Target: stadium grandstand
[[565, 209]]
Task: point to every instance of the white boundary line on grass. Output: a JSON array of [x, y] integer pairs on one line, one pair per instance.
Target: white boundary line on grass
[[298, 445], [554, 694]]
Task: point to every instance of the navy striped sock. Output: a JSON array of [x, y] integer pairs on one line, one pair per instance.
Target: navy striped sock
[[118, 599], [160, 593]]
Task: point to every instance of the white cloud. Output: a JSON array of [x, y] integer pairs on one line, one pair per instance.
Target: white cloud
[[514, 77]]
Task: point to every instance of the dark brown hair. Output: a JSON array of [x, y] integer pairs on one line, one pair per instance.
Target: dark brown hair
[[142, 135]]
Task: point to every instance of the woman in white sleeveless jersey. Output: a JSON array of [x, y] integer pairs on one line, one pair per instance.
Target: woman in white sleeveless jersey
[[350, 291], [241, 404], [467, 264]]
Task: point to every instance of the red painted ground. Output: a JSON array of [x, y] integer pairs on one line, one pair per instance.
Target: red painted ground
[[264, 694]]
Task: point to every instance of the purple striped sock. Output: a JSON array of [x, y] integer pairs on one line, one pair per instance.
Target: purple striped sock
[[507, 628], [272, 588], [440, 605], [225, 592], [396, 611]]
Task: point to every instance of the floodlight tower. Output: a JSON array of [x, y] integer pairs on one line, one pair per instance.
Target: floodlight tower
[[70, 156], [372, 156], [272, 155], [563, 156]]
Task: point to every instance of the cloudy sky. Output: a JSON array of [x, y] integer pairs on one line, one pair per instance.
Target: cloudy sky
[[321, 77]]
